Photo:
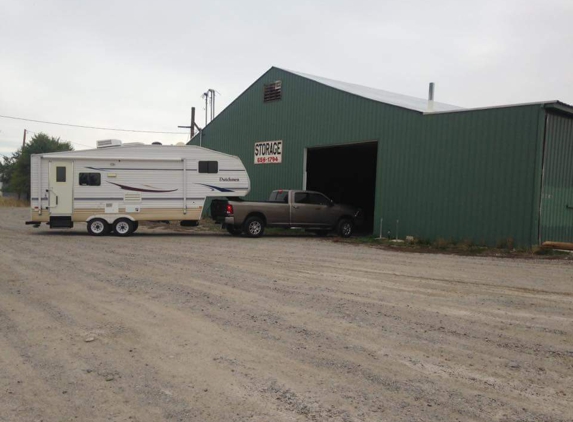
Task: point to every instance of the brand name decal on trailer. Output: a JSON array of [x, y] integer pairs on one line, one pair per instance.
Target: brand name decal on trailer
[[228, 179], [269, 152]]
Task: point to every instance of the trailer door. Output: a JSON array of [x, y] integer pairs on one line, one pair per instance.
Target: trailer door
[[61, 187]]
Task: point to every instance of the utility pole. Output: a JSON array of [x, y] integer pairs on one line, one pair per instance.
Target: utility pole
[[24, 140], [192, 122], [193, 126], [212, 91], [206, 96], [209, 97]]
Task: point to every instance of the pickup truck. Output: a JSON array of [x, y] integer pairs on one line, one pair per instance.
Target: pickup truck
[[311, 211]]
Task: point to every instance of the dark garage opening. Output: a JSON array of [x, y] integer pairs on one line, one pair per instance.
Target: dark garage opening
[[347, 175]]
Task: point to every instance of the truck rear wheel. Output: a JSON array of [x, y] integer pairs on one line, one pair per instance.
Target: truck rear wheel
[[345, 227], [254, 227], [235, 231], [98, 227]]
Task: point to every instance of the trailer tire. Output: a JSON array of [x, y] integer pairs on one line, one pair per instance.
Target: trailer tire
[[123, 227], [234, 231], [254, 226], [345, 227], [135, 226], [98, 227]]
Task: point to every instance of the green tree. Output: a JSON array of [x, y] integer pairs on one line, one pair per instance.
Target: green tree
[[40, 143], [7, 166]]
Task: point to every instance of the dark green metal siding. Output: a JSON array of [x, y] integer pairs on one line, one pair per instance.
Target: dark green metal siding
[[557, 190], [463, 175]]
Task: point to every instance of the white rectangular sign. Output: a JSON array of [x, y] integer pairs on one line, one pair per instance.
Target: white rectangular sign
[[269, 152]]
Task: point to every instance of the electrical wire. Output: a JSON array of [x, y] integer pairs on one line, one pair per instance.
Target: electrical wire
[[35, 133], [91, 127]]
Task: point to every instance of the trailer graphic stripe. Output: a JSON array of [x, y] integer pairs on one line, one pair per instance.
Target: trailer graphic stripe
[[216, 188], [125, 187]]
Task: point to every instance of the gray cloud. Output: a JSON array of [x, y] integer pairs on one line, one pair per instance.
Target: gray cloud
[[141, 64]]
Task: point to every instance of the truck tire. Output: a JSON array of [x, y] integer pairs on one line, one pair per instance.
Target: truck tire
[[254, 226], [235, 231], [98, 227], [123, 227], [345, 227]]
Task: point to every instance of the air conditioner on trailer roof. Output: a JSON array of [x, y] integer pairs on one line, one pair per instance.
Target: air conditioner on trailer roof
[[106, 143]]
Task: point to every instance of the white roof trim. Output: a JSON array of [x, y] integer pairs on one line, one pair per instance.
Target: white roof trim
[[386, 97]]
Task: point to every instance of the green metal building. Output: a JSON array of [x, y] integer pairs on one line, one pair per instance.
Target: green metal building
[[485, 174]]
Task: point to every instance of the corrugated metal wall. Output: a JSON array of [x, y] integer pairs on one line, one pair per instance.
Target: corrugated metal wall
[[453, 175], [557, 191]]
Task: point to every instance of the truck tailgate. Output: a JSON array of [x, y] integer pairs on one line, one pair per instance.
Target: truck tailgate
[[219, 209]]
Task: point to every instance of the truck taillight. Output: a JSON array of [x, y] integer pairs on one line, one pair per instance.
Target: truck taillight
[[229, 209]]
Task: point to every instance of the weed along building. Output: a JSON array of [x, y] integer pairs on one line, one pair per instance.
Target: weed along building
[[416, 167]]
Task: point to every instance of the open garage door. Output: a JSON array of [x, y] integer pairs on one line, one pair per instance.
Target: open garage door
[[347, 175]]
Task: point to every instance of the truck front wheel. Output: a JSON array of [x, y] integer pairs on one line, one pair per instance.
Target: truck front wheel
[[345, 228], [254, 227]]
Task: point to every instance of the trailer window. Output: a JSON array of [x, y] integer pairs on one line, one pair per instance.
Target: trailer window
[[90, 179], [60, 174], [208, 166]]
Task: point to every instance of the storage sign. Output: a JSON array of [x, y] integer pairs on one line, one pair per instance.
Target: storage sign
[[270, 152]]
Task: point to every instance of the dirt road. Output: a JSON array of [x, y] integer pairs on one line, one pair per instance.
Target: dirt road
[[206, 327]]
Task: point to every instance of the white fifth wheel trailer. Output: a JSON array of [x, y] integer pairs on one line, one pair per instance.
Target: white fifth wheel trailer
[[115, 186]]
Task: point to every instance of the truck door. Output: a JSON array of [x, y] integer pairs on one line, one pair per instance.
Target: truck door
[[310, 209], [60, 189]]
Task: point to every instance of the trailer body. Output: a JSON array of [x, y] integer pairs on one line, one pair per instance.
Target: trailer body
[[131, 182]]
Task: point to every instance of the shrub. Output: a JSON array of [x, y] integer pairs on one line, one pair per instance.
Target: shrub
[[12, 202], [442, 243]]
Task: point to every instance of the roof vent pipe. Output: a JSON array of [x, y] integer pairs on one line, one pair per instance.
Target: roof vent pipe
[[431, 98]]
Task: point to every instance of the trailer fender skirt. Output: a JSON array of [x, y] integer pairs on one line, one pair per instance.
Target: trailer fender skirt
[[110, 218]]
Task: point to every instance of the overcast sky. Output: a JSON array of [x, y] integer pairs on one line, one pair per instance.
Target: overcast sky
[[142, 64]]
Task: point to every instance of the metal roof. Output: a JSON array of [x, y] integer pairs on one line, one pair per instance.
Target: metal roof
[[399, 100]]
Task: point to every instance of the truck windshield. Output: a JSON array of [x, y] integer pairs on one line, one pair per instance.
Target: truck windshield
[[279, 196]]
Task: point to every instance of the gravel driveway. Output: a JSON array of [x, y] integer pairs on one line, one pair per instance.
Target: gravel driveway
[[196, 326]]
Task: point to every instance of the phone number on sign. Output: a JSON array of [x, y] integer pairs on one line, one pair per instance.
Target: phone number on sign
[[268, 160]]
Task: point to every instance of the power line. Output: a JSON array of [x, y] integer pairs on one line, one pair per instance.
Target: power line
[[35, 133], [91, 127]]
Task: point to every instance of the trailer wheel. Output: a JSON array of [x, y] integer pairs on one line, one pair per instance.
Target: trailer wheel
[[135, 226], [235, 231], [345, 227], [254, 227], [123, 227], [98, 227]]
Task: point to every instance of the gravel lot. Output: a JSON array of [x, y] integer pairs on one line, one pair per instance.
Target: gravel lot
[[196, 326]]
